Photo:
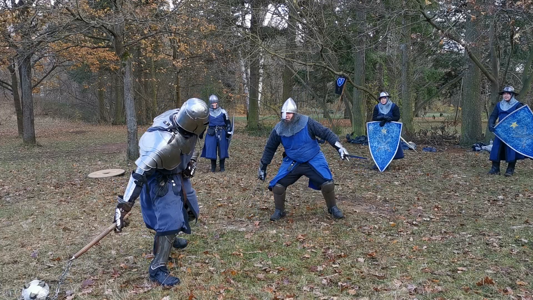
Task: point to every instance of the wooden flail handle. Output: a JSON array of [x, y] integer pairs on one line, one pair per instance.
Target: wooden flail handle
[[97, 239]]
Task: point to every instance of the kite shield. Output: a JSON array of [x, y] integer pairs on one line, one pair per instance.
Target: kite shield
[[516, 130], [383, 142]]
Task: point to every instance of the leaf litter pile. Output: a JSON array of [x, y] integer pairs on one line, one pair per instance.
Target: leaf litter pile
[[434, 226]]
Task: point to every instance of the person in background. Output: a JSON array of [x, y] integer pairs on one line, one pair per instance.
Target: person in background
[[303, 157], [500, 151], [162, 180], [387, 111], [218, 135]]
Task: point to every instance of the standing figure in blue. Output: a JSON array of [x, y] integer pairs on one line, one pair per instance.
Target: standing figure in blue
[[218, 135], [298, 135], [165, 165], [500, 151], [387, 111]]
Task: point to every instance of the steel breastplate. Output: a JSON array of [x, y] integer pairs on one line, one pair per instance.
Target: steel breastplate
[[163, 149]]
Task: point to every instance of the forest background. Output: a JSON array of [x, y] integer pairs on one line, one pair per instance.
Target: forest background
[[80, 79], [124, 62]]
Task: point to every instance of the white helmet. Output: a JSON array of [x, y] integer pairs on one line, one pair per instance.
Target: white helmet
[[288, 107]]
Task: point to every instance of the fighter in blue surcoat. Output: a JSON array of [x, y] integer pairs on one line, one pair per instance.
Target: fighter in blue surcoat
[[168, 200], [303, 157]]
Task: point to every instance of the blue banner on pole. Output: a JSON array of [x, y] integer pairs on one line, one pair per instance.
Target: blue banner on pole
[[339, 85], [383, 142], [516, 130]]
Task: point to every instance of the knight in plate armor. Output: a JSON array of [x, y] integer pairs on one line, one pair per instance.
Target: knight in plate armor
[[500, 150], [162, 180], [218, 135], [298, 134]]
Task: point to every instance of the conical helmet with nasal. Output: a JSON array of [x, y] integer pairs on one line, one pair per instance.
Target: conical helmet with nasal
[[288, 107]]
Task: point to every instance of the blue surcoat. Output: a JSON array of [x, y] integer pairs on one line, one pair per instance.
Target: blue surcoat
[[162, 203], [301, 148], [218, 141]]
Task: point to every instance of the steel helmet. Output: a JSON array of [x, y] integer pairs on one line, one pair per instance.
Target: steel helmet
[[193, 116], [508, 89]]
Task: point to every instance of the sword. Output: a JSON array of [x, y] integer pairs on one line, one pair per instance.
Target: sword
[[232, 130], [355, 156], [408, 145]]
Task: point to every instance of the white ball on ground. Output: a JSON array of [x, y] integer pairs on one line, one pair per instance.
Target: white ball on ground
[[35, 290]]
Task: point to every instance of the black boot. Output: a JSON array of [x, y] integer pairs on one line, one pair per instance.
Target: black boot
[[222, 168], [510, 169], [495, 170], [328, 191], [279, 201], [158, 270], [213, 165]]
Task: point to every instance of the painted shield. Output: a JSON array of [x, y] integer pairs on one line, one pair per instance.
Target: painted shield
[[516, 130], [383, 142]]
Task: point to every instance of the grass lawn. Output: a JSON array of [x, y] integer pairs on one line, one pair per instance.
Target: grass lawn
[[434, 226]]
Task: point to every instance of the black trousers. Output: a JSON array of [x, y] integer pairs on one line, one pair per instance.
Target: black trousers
[[304, 169]]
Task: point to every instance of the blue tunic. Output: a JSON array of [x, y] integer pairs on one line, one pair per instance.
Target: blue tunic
[[218, 141], [162, 203], [500, 151], [394, 115], [301, 148]]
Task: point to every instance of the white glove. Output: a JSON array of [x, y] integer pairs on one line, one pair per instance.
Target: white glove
[[342, 151]]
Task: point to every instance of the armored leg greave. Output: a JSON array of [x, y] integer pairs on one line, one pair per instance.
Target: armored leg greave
[[328, 191], [495, 170], [510, 168], [222, 167], [179, 243], [158, 267], [213, 165], [279, 201]]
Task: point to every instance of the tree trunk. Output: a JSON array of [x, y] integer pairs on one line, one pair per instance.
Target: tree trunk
[[16, 97], [290, 46], [131, 117], [101, 98], [153, 105], [359, 101], [407, 102], [28, 123], [471, 108], [253, 108], [495, 70], [119, 99]]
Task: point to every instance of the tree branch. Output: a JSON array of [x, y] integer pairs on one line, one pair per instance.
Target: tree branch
[[456, 39]]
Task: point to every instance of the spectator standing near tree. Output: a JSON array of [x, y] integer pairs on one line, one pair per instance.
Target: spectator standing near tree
[[218, 135]]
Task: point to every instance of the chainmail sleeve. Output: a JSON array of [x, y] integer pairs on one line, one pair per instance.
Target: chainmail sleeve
[[270, 148]]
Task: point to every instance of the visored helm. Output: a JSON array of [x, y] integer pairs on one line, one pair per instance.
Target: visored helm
[[193, 116], [508, 89], [288, 107], [213, 99]]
